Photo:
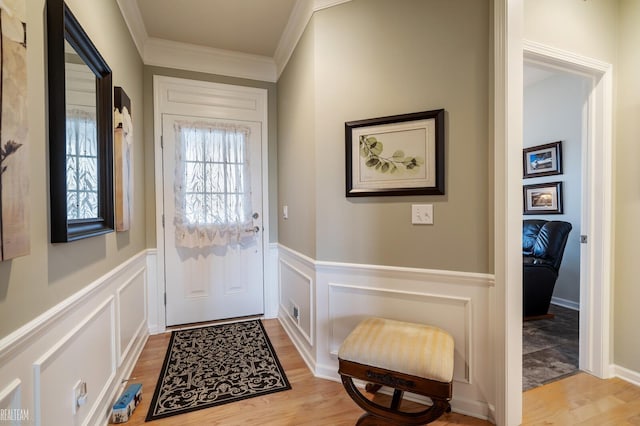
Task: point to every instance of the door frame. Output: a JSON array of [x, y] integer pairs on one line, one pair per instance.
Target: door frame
[[596, 215], [509, 51], [179, 96]]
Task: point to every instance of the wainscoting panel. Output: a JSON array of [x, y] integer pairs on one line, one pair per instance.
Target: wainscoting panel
[[343, 294], [94, 336], [10, 400], [296, 278], [131, 318], [295, 298], [57, 372]]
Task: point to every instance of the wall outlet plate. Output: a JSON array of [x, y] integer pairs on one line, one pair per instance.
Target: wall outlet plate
[[79, 395]]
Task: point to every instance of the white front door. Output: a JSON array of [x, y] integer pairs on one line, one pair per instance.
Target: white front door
[[212, 233]]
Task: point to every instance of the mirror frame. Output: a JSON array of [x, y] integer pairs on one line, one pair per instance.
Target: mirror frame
[[61, 26]]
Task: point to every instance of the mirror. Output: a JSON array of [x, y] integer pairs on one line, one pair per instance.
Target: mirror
[[80, 130]]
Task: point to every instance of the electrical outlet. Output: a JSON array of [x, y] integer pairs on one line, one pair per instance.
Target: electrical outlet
[[79, 395]]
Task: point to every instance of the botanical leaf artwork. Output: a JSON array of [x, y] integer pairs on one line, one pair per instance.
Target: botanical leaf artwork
[[371, 149], [14, 178]]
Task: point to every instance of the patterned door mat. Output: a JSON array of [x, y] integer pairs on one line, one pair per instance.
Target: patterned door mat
[[215, 365]]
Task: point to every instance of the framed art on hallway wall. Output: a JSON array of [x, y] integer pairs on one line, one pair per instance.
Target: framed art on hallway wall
[[542, 160], [543, 198], [395, 155], [14, 155]]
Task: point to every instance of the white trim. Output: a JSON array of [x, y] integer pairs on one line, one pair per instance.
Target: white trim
[[506, 307], [298, 21], [300, 16], [171, 95], [597, 216], [450, 277], [22, 336], [133, 18], [10, 395], [307, 357], [283, 308], [122, 354], [625, 374], [565, 303], [271, 290], [173, 54], [325, 4]]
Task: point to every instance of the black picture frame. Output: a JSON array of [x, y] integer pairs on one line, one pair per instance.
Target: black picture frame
[[422, 132], [62, 25], [542, 198], [542, 160]]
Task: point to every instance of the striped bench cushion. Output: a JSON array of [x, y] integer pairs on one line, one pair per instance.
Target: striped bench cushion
[[416, 349]]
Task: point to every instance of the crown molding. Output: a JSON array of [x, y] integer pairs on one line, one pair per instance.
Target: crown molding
[[298, 20], [172, 54], [300, 16], [132, 17], [324, 4]]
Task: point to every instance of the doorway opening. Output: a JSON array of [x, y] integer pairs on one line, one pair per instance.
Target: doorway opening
[[590, 242], [555, 123]]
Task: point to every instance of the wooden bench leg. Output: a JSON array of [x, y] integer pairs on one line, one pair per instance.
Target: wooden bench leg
[[372, 387], [380, 415]]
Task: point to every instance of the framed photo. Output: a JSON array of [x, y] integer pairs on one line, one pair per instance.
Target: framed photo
[[543, 198], [395, 155], [542, 160]]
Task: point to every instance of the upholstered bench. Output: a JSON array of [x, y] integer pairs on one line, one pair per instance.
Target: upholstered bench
[[408, 357]]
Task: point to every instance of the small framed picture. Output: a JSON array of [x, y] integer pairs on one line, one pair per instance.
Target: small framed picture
[[543, 198], [542, 160]]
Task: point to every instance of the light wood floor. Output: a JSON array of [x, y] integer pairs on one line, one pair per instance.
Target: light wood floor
[[580, 399]]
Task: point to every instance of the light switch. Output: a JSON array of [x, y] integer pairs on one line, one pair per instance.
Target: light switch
[[422, 214], [285, 212]]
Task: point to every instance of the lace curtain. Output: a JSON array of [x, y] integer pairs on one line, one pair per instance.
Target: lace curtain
[[82, 165], [212, 185]]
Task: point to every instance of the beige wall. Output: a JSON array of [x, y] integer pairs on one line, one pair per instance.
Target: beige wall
[[627, 195], [32, 284], [149, 72], [297, 148], [588, 28], [374, 58]]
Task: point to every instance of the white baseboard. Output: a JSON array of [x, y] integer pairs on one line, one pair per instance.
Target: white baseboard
[[94, 336], [565, 303], [627, 375]]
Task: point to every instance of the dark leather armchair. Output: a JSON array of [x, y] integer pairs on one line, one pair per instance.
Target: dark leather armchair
[[543, 244]]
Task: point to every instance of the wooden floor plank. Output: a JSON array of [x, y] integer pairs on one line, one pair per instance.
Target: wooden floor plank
[[577, 400]]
